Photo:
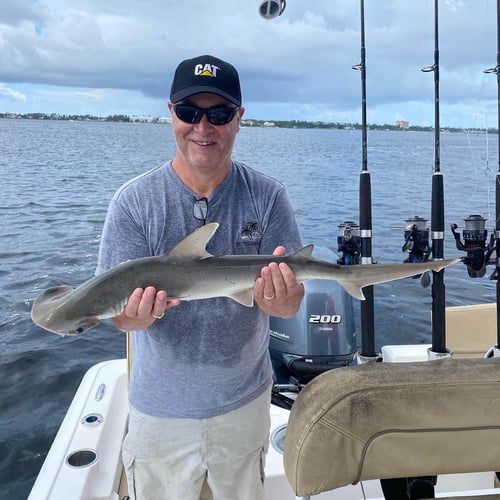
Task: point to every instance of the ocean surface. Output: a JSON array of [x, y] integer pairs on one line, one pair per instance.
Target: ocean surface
[[58, 177]]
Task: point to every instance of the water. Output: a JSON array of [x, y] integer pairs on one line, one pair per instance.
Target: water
[[58, 177]]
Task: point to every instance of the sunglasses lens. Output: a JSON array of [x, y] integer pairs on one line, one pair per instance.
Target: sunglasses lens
[[218, 115], [188, 114]]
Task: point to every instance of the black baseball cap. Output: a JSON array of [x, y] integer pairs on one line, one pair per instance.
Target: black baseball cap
[[206, 74]]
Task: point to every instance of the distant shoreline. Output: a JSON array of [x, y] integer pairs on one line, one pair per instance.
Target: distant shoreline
[[245, 123]]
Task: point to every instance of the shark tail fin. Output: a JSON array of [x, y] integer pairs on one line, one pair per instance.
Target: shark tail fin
[[354, 278]]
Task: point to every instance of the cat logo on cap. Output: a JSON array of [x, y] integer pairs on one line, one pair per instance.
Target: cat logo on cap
[[206, 70]]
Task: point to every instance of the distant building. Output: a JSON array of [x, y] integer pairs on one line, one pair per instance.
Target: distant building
[[403, 124], [141, 119]]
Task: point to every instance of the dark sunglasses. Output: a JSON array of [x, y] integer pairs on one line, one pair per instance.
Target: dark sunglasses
[[217, 115]]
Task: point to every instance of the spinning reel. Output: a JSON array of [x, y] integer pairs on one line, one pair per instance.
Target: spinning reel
[[478, 251], [416, 243], [349, 243]]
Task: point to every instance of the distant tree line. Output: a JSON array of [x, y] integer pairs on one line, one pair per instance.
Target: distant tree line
[[249, 122], [57, 116], [351, 126]]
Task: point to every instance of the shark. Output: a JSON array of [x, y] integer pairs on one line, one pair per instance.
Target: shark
[[190, 272]]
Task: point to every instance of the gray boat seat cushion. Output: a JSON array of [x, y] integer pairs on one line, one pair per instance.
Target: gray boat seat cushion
[[388, 420]]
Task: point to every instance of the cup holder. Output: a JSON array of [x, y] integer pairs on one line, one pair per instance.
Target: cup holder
[[82, 458], [278, 438]]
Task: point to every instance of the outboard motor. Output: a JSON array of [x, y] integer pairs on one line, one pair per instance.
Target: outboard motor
[[321, 336]]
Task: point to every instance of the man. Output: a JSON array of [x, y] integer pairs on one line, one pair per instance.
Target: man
[[200, 381]]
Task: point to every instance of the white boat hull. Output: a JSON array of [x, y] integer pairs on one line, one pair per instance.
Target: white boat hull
[[102, 393], [70, 469]]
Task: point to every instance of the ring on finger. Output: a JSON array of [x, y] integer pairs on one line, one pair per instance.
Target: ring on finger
[[158, 316], [271, 297]]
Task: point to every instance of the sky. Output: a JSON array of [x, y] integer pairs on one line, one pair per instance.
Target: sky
[[118, 57]]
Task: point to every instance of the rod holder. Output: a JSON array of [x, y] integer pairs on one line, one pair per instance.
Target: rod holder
[[432, 355], [363, 360], [493, 352]]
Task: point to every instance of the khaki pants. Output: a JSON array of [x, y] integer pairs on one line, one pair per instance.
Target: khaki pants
[[219, 458]]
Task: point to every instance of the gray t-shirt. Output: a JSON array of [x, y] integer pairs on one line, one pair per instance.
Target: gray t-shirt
[[205, 357]]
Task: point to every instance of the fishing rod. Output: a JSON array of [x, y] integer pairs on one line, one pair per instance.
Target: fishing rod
[[437, 212], [496, 70], [365, 211]]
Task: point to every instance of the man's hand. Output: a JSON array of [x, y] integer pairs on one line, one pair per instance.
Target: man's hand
[[276, 290], [143, 308]]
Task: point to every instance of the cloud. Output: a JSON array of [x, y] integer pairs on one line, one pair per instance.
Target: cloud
[[11, 94], [303, 57], [70, 94], [16, 12]]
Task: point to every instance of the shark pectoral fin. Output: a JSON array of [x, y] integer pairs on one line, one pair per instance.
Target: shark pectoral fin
[[245, 298], [194, 244]]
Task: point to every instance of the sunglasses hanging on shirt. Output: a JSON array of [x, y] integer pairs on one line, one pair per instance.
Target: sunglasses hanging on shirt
[[200, 210]]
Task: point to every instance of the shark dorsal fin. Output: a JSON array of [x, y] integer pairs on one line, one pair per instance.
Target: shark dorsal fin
[[305, 252], [194, 244]]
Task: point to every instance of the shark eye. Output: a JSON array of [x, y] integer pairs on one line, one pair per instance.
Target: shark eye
[[80, 330]]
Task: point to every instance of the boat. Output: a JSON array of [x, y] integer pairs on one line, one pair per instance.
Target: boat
[[413, 421], [85, 455]]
